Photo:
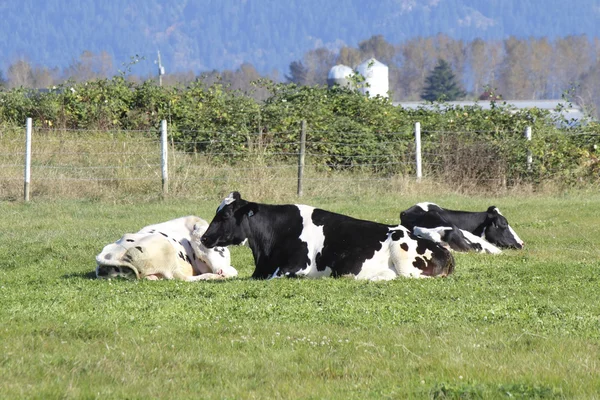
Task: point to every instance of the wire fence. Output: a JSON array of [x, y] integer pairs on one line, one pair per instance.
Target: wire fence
[[97, 164]]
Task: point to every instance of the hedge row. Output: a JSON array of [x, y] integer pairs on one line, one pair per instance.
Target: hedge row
[[206, 115]]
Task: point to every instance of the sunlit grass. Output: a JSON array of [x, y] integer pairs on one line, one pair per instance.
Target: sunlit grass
[[524, 324]]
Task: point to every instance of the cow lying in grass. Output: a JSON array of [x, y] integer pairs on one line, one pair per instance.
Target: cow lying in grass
[[169, 250], [303, 241]]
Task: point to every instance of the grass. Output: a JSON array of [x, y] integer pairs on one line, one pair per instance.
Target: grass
[[524, 324]]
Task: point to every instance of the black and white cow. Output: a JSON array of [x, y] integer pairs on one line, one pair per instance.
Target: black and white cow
[[490, 225], [303, 241], [170, 250]]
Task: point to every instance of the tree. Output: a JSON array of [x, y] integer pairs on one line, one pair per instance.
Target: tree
[[417, 56], [19, 74], [441, 84], [3, 82], [313, 68], [377, 47]]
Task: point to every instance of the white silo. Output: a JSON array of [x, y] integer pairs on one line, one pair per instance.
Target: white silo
[[376, 75], [339, 75]]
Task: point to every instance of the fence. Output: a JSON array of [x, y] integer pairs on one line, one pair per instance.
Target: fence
[[96, 163]]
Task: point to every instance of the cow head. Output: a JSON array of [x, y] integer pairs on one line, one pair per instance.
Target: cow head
[[226, 227], [117, 260], [116, 271], [498, 232]]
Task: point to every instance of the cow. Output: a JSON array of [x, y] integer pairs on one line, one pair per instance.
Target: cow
[[169, 250], [490, 225], [292, 240], [456, 239]]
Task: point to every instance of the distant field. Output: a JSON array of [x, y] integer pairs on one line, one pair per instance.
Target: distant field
[[524, 324]]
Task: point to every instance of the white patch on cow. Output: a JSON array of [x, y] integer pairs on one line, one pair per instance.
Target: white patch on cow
[[433, 234], [517, 238], [226, 201], [379, 267], [485, 245], [314, 238], [403, 260], [274, 275], [425, 205]]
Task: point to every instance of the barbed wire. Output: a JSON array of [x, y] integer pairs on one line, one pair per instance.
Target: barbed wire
[[92, 159]]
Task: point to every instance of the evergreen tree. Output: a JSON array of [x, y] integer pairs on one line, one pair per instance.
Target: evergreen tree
[[441, 84]]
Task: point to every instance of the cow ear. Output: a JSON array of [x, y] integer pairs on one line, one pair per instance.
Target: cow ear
[[236, 195], [492, 216], [492, 210]]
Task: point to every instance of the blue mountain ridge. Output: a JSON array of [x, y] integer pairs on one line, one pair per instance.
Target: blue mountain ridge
[[203, 35]]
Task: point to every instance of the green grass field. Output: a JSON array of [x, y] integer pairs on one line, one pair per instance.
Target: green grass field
[[523, 324]]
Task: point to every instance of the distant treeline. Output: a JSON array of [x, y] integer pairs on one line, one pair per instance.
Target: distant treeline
[[515, 69]]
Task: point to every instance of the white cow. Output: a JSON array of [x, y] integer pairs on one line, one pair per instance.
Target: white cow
[[169, 250]]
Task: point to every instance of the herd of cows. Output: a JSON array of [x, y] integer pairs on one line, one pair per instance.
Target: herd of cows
[[303, 241]]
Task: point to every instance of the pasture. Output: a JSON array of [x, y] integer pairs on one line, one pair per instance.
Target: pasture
[[523, 324]]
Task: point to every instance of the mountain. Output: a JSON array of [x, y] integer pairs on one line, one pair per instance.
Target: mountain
[[204, 35]]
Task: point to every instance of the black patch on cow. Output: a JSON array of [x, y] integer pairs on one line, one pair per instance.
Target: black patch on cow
[[220, 250], [164, 234], [419, 263], [187, 258], [176, 241], [349, 242], [456, 240], [130, 240], [181, 255], [397, 235], [421, 246], [404, 246], [194, 256], [139, 248], [275, 239]]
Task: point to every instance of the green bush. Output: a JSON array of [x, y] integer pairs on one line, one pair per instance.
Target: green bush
[[345, 128]]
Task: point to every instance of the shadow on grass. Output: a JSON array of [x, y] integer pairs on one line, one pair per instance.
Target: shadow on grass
[[81, 275], [91, 275]]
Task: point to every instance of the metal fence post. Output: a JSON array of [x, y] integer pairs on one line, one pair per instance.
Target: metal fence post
[[418, 151], [529, 156], [28, 130], [164, 149], [301, 157]]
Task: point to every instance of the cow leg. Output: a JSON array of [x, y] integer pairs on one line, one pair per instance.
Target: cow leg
[[209, 276], [384, 275]]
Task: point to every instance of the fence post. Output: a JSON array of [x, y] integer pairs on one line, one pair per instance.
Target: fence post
[[418, 150], [164, 150], [529, 156], [301, 157], [27, 158]]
